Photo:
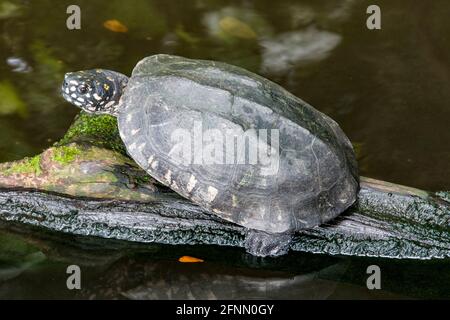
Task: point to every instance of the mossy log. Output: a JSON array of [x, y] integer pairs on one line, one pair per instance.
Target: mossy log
[[86, 184]]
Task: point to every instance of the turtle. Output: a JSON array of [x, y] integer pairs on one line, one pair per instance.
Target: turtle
[[196, 125]]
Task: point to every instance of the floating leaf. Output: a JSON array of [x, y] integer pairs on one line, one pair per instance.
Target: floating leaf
[[10, 101], [188, 259], [232, 25], [115, 26], [237, 28], [142, 19]]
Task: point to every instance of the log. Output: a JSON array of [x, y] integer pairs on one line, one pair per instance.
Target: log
[[86, 185]]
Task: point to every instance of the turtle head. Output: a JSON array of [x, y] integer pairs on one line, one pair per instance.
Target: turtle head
[[95, 91]]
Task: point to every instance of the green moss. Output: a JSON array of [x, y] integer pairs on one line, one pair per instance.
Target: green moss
[[65, 154], [98, 130], [144, 178], [26, 165]]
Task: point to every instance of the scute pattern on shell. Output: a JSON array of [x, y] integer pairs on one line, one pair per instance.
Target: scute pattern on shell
[[317, 177]]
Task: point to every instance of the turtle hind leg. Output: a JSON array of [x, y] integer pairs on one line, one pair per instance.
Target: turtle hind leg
[[263, 244]]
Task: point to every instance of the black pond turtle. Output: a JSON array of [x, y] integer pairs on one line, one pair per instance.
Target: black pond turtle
[[314, 176]]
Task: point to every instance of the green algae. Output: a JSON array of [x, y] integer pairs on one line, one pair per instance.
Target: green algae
[[26, 165], [66, 154], [98, 130]]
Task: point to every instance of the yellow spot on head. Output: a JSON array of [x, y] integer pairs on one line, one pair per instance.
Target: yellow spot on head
[[106, 86], [188, 259]]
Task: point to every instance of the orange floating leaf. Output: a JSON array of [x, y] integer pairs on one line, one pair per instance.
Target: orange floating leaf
[[188, 259], [115, 26]]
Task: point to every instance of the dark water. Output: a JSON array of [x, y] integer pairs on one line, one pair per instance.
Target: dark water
[[388, 89]]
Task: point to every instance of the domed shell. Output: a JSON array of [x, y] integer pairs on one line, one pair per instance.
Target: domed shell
[[315, 176]]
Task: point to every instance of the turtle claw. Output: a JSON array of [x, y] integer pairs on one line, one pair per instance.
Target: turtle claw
[[263, 244]]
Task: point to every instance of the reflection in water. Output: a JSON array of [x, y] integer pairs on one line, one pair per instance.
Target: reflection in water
[[18, 64], [29, 261], [33, 265], [118, 270], [173, 280], [294, 48]]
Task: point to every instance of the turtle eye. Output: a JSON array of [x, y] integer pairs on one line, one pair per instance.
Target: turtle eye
[[82, 89]]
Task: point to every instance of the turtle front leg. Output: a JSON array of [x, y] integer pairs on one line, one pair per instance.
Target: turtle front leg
[[263, 244]]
